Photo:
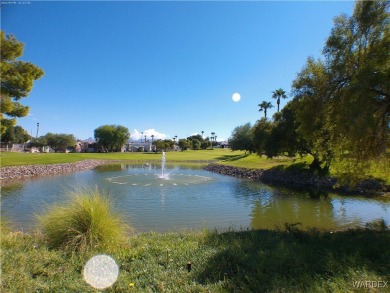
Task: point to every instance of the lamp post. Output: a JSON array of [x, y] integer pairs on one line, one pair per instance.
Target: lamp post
[[37, 130]]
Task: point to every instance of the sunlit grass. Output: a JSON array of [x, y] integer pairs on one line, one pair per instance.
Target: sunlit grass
[[253, 161], [85, 222], [286, 260], [379, 169], [15, 159]]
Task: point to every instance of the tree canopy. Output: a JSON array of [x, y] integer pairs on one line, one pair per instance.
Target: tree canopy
[[340, 111], [15, 134], [60, 142], [163, 144], [17, 80], [111, 137], [242, 138]]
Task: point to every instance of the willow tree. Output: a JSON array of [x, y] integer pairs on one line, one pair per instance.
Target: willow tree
[[358, 59], [344, 100], [17, 80]]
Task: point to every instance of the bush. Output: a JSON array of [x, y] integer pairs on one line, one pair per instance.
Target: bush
[[85, 222]]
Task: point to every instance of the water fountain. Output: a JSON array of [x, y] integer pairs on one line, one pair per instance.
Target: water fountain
[[163, 175], [148, 177]]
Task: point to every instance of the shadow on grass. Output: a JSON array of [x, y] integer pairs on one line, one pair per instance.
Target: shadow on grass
[[295, 167], [296, 261], [229, 158]]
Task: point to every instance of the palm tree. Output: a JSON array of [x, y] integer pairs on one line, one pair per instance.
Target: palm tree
[[145, 138], [153, 147], [212, 135], [264, 105], [280, 93], [202, 133], [142, 134]]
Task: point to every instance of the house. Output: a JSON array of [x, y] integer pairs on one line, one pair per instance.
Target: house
[[224, 145], [139, 147]]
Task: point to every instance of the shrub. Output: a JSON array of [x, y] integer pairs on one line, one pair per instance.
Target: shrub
[[85, 222]]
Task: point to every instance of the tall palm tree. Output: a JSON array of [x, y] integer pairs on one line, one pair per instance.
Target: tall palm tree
[[264, 105], [202, 133], [279, 93], [212, 135], [152, 137], [145, 138]]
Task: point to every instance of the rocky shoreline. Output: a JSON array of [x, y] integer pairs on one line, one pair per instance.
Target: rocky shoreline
[[20, 172], [298, 179], [272, 176]]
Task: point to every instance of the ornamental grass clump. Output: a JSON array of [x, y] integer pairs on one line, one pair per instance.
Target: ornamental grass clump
[[85, 222]]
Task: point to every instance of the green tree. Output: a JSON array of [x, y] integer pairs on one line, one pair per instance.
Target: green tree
[[197, 136], [264, 106], [344, 102], [261, 135], [184, 144], [242, 138], [205, 145], [60, 142], [312, 112], [38, 142], [279, 93], [17, 80], [111, 137], [196, 144], [358, 60], [163, 144], [15, 134]]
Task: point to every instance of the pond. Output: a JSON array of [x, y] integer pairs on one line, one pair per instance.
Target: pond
[[188, 198]]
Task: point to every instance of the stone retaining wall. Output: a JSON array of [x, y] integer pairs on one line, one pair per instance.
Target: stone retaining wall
[[19, 172], [299, 179]]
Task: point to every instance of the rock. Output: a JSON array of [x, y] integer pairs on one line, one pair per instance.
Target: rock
[[298, 179]]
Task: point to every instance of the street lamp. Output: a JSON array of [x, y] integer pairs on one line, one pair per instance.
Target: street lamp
[[37, 129]]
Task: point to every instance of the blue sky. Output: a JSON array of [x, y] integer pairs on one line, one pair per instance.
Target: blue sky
[[167, 68]]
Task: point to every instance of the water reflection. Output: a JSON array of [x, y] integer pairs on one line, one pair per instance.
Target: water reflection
[[218, 203], [278, 210]]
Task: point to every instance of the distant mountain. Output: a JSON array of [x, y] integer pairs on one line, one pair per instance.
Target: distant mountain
[[89, 140]]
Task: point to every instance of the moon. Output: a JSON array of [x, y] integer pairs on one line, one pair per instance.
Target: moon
[[236, 97]]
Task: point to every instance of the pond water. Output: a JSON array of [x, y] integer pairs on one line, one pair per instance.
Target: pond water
[[191, 199]]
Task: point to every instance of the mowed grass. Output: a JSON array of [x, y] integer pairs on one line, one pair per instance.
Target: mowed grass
[[288, 260], [379, 170], [16, 159]]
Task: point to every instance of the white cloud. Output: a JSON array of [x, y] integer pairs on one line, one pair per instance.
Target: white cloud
[[32, 116], [136, 135]]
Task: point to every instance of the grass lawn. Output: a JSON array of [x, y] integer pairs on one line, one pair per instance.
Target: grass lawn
[[243, 261], [379, 170], [14, 159]]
